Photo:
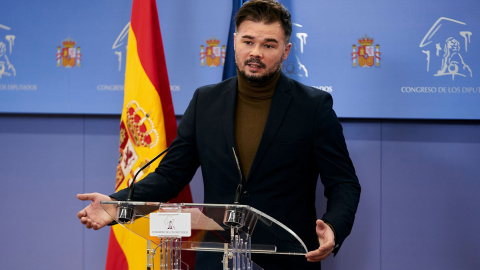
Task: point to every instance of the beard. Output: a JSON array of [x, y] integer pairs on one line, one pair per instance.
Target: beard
[[259, 79]]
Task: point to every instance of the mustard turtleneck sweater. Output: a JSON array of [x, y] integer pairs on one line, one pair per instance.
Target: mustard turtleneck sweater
[[251, 112]]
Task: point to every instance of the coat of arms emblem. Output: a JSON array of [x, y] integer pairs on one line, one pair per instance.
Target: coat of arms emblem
[[68, 56], [212, 55], [366, 54]]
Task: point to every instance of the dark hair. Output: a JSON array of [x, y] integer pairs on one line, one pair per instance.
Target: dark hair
[[267, 11]]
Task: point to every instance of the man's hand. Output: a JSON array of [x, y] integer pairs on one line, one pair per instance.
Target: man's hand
[[94, 215], [326, 238]]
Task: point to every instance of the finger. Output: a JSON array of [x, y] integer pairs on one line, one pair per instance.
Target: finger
[[84, 220], [318, 255], [82, 213], [326, 248], [318, 252], [317, 258], [85, 196], [88, 224], [320, 222], [96, 226], [321, 226]]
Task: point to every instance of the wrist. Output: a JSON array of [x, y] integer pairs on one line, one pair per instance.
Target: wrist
[[337, 246], [333, 229]]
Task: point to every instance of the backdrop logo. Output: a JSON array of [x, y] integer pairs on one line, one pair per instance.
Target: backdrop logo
[[446, 48], [68, 56], [366, 54], [294, 64], [212, 55], [120, 45], [6, 48]]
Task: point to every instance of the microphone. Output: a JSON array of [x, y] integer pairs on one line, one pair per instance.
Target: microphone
[[126, 211], [234, 216], [239, 187]]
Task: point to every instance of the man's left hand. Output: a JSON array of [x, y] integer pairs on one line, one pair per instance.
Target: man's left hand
[[326, 238]]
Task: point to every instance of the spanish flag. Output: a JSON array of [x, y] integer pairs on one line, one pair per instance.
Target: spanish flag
[[230, 68], [147, 127]]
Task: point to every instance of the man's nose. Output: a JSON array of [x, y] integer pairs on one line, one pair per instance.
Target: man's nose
[[256, 52]]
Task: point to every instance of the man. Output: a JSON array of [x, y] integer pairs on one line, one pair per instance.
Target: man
[[285, 134]]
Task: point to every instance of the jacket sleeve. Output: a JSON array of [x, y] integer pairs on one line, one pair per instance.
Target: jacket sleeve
[[337, 173]]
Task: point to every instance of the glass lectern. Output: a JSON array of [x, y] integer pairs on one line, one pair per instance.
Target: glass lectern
[[235, 230]]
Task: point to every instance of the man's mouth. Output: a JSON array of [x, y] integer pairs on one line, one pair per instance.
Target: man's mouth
[[254, 63]]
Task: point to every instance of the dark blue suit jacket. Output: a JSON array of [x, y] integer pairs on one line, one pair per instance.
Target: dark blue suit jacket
[[302, 140]]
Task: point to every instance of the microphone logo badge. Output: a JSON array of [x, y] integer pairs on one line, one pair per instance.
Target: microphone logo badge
[[234, 217], [170, 223]]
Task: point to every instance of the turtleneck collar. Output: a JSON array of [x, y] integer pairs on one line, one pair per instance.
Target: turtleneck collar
[[257, 91]]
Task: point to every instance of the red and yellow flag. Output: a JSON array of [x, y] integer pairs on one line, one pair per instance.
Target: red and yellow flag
[[148, 124]]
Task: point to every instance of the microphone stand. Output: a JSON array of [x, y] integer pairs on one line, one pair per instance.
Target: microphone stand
[[235, 217]]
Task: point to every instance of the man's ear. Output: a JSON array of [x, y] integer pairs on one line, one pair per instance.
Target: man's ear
[[234, 40], [287, 51]]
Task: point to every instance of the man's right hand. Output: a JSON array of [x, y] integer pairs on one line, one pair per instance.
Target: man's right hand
[[94, 215]]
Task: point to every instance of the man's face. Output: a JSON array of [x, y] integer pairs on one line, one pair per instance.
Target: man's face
[[260, 50]]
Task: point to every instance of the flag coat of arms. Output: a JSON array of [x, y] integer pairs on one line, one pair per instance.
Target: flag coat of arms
[[148, 126]]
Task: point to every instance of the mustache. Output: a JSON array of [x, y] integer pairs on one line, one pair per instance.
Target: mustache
[[255, 61]]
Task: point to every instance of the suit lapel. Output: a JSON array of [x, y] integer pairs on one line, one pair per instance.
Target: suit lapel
[[278, 109]]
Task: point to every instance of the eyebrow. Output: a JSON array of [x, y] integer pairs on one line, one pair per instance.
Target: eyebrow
[[267, 40]]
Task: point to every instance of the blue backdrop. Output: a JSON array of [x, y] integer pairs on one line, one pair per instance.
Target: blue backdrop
[[379, 59]]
